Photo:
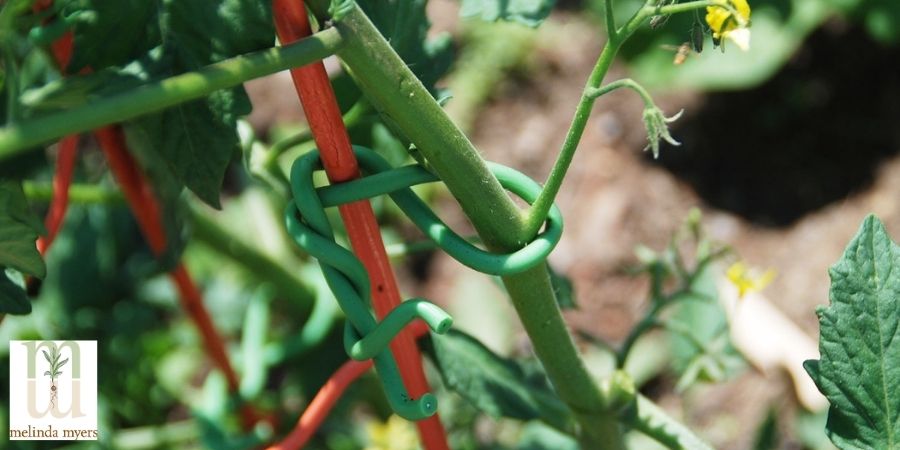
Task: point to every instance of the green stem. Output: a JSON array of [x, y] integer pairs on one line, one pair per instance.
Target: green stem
[[396, 93], [610, 21], [646, 324], [19, 137], [623, 83], [656, 423], [650, 321], [208, 232], [78, 193], [539, 209], [686, 7]]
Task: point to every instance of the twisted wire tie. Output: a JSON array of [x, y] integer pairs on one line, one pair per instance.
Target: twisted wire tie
[[364, 338]]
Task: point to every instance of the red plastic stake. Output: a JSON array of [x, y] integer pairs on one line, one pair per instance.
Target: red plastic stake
[[147, 212], [321, 404], [62, 179], [324, 117], [328, 395]]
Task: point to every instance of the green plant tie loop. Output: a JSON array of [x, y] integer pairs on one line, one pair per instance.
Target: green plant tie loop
[[364, 338]]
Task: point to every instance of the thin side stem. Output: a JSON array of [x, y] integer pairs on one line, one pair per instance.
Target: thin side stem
[[19, 137], [687, 6], [78, 193], [610, 20], [538, 212], [656, 423], [623, 83]]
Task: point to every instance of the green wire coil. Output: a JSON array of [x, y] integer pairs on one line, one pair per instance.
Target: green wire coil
[[364, 338]]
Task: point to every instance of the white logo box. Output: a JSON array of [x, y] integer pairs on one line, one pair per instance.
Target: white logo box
[[35, 414]]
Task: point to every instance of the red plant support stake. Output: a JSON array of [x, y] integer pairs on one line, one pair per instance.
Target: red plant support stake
[[321, 404], [62, 179], [328, 395], [147, 212], [324, 117], [68, 147]]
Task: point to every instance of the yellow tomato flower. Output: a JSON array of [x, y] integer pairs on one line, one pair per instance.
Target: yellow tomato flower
[[747, 280], [395, 434], [730, 21]]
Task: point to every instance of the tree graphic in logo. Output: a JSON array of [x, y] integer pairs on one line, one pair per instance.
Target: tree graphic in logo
[[55, 366]]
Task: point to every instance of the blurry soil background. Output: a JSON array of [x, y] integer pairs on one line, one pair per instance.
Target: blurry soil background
[[784, 173]]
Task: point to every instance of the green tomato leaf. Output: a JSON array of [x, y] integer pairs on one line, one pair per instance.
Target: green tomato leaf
[[212, 30], [859, 368], [526, 12], [18, 231], [195, 140], [147, 40], [498, 386], [111, 32], [12, 297]]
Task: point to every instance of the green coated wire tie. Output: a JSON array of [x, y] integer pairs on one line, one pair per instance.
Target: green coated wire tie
[[345, 275]]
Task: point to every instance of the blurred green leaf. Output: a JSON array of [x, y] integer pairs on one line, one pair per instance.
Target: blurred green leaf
[[196, 140], [859, 369], [111, 32], [767, 435], [496, 385], [12, 297], [18, 231], [527, 12]]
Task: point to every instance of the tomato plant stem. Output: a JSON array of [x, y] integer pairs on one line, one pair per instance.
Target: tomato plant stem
[[21, 136], [397, 93]]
